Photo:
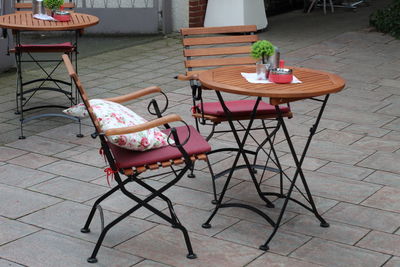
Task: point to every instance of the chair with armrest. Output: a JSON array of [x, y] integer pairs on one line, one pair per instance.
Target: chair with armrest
[[25, 53], [189, 146], [210, 47]]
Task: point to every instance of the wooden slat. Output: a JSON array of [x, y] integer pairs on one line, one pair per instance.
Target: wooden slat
[[166, 164], [219, 62], [153, 166], [202, 157], [215, 51], [215, 30], [140, 169], [220, 40], [178, 161]]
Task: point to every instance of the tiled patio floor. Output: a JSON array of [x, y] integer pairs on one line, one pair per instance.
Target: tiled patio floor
[[49, 180]]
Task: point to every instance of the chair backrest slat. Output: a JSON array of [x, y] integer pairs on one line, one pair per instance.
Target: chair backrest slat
[[81, 91], [219, 62], [206, 47], [220, 40], [216, 30], [217, 51]]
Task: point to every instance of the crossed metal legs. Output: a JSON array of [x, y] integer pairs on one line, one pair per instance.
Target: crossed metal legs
[[172, 219], [242, 152]]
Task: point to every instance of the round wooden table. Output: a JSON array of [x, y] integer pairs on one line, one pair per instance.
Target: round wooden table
[[24, 21], [314, 83]]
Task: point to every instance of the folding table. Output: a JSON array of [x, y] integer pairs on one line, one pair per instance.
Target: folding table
[[23, 21], [316, 85]]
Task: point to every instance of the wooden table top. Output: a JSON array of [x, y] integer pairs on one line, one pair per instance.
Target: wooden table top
[[21, 21], [314, 83]]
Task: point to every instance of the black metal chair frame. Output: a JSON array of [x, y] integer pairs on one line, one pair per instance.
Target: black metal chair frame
[[299, 172], [135, 177]]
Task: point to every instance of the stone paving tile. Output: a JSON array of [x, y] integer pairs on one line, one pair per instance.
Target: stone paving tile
[[254, 235], [346, 171], [382, 161], [66, 132], [309, 163], [149, 263], [366, 217], [68, 218], [329, 186], [393, 125], [274, 260], [17, 202], [192, 219], [51, 248], [5, 263], [338, 232], [166, 245], [339, 137], [73, 170], [11, 230], [384, 178], [366, 130], [69, 189], [32, 160], [393, 262], [7, 153], [381, 242], [22, 177], [377, 144], [328, 151], [387, 198], [251, 216], [329, 253], [41, 145]]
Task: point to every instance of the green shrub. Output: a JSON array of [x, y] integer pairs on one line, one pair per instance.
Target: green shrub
[[262, 49], [53, 4], [387, 20]]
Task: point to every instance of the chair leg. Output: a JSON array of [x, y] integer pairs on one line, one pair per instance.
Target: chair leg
[[86, 228]]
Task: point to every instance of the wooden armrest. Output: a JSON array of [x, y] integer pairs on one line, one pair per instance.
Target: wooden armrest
[[144, 126], [182, 77], [134, 95]]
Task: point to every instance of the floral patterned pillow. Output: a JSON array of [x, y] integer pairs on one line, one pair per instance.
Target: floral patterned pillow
[[113, 115]]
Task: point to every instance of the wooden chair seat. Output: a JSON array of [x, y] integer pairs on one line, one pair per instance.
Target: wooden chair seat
[[44, 48]]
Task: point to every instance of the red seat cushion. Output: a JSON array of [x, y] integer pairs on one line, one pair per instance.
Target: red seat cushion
[[129, 158], [240, 108], [63, 47]]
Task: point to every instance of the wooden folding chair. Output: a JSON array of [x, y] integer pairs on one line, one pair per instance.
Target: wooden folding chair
[[210, 47], [189, 146]]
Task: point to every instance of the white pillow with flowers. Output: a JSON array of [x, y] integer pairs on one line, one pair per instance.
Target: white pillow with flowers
[[113, 115]]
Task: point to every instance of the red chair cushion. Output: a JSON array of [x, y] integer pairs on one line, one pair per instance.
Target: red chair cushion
[[63, 47], [129, 158], [240, 108]]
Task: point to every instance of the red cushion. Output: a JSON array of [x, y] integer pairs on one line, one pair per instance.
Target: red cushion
[[240, 108], [129, 158], [45, 47]]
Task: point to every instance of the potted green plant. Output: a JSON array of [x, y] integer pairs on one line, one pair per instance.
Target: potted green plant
[[262, 50], [53, 5]]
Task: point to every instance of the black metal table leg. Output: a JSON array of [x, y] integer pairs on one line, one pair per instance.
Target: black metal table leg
[[299, 172]]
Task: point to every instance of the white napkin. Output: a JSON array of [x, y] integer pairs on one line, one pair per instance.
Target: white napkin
[[44, 17], [252, 78]]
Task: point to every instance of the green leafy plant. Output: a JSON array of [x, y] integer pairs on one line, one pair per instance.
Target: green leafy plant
[[262, 49], [53, 4], [387, 20]]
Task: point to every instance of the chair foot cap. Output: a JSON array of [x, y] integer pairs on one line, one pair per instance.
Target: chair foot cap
[[92, 260], [80, 135], [214, 202], [21, 137], [206, 225], [191, 175], [17, 113], [264, 247], [254, 170], [191, 256], [85, 230], [174, 226], [324, 224]]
